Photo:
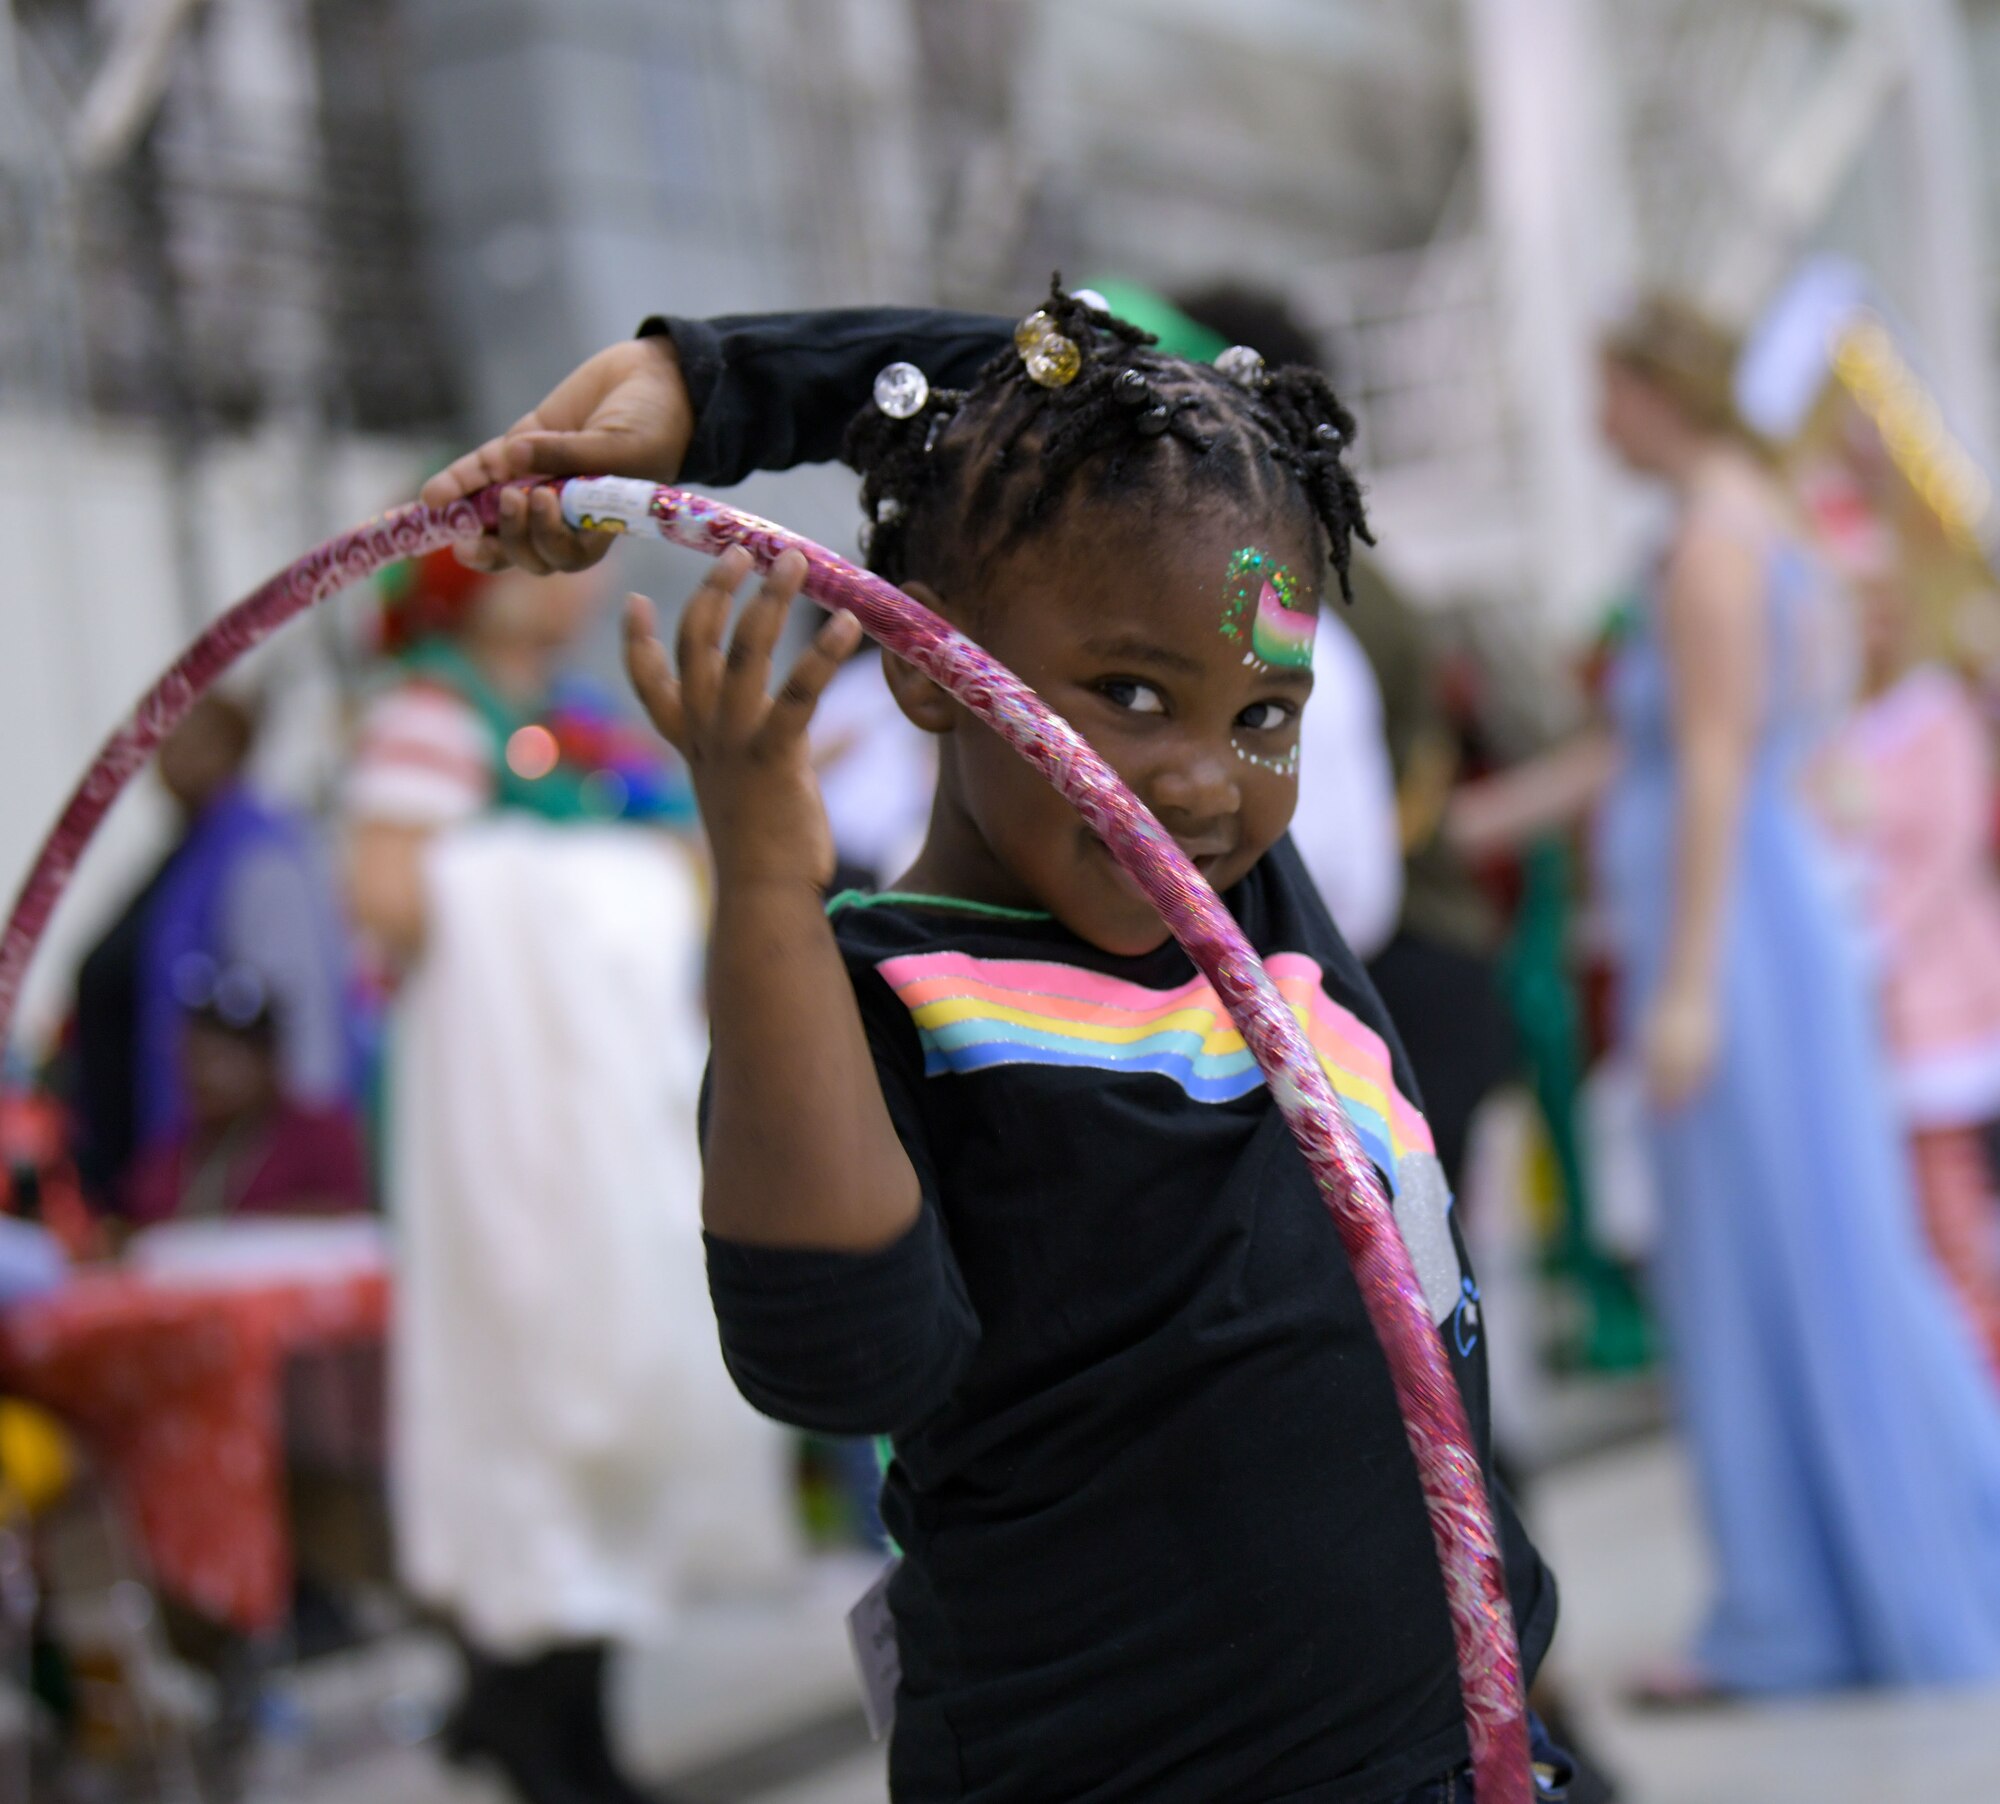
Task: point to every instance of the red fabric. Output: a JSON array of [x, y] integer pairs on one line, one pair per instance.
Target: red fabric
[[176, 1389], [34, 1142], [1955, 1192], [432, 595], [308, 1161]]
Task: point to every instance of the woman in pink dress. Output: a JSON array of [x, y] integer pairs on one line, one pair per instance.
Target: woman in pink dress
[[1914, 788]]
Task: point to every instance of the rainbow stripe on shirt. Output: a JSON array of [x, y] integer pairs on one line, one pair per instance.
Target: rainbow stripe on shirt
[[973, 1014]]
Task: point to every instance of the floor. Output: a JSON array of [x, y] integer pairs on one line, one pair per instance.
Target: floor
[[1617, 1530], [758, 1706]]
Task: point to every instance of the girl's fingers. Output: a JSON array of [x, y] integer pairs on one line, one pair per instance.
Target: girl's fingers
[[792, 708], [463, 475], [514, 531], [651, 675], [758, 628], [698, 650], [556, 543]]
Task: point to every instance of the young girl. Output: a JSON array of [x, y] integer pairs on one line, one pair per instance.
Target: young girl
[[1912, 786], [988, 1169]]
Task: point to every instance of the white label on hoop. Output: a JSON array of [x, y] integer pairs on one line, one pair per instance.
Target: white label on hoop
[[607, 503]]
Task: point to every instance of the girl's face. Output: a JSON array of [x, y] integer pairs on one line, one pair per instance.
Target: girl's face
[[1183, 652], [1638, 421], [543, 613]]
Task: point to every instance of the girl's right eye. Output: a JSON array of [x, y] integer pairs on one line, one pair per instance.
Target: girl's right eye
[[1132, 695]]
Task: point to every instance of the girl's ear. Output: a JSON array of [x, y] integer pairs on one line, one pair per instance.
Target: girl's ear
[[923, 703]]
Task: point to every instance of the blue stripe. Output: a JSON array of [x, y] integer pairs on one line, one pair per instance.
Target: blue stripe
[[1147, 1057]]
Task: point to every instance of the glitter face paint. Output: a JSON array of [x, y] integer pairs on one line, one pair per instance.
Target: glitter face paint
[[1264, 614]]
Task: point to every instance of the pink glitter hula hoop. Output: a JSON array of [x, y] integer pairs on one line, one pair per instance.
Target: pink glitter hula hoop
[[1433, 1412]]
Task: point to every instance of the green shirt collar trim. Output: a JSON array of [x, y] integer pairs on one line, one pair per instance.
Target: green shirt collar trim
[[861, 898]]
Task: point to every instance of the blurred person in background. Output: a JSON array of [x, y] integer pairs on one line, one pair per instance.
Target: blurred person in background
[[567, 1449], [1911, 785], [1844, 1433], [244, 886], [246, 1147]]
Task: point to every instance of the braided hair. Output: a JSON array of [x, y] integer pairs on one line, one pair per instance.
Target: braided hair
[[972, 473]]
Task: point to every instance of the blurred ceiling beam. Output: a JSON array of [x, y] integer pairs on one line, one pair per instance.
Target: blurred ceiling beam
[[1385, 45], [123, 96], [1949, 242], [1539, 151], [1839, 12], [1803, 171]]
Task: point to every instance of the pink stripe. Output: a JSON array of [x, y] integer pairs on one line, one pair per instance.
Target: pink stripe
[[1032, 977], [1351, 1044], [1058, 1008]]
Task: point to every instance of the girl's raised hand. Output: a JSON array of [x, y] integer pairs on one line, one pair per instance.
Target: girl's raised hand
[[746, 749]]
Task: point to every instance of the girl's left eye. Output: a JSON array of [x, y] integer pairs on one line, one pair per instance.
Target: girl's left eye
[[1267, 717], [1133, 696]]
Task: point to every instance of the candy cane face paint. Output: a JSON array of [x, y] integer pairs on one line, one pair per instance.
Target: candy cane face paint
[[1266, 613]]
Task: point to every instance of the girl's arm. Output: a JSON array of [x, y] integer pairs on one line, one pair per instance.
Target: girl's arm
[[800, 1149], [1712, 632], [704, 401], [1549, 793], [385, 886]]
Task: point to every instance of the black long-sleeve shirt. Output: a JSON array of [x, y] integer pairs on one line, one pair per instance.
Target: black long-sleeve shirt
[[1164, 1538]]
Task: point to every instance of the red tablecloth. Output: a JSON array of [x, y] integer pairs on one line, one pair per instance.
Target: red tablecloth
[[177, 1390]]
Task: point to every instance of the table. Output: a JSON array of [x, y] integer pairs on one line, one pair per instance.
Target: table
[[177, 1388]]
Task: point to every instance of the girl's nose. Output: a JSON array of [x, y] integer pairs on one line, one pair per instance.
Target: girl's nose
[[1195, 789]]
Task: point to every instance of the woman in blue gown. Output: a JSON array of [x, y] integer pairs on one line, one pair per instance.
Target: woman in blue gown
[[1845, 1435]]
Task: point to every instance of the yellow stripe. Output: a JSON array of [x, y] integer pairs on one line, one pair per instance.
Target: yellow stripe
[[1183, 1020], [1363, 1090]]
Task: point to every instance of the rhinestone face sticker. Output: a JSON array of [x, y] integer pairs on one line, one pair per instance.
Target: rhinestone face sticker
[[1285, 763], [1265, 615]]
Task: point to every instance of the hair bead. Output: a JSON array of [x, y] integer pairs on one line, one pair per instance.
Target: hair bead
[[901, 390]]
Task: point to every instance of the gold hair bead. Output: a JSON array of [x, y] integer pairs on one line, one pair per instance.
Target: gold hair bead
[[1032, 330], [1054, 361]]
